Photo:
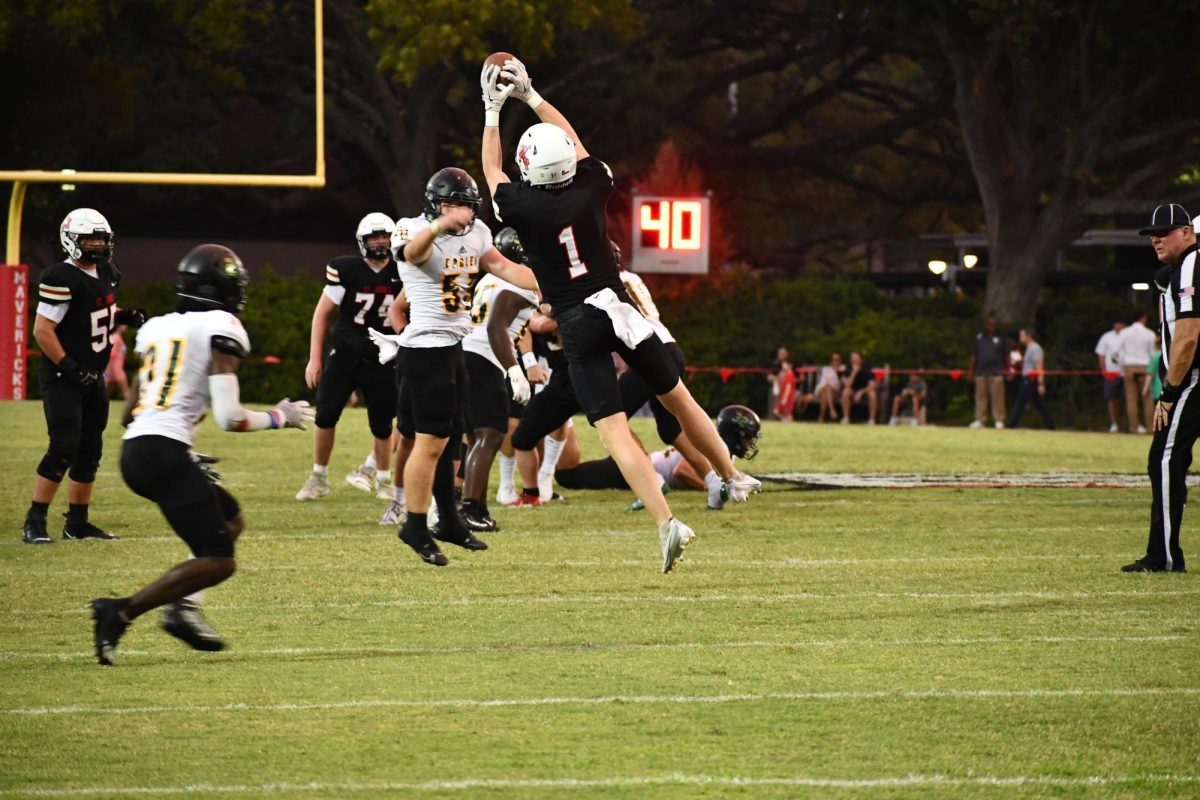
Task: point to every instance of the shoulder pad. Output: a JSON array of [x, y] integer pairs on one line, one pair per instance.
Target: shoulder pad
[[228, 345]]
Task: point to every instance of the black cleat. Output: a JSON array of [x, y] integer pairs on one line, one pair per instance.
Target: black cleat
[[85, 530], [108, 628], [34, 530], [457, 534], [185, 623], [1142, 565], [423, 544], [477, 520]]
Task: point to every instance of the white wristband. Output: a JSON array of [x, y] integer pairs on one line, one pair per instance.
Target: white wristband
[[529, 359], [491, 118], [533, 99]]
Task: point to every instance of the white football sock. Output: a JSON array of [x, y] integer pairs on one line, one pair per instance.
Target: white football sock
[[553, 449], [508, 465], [321, 471], [382, 478], [370, 462]]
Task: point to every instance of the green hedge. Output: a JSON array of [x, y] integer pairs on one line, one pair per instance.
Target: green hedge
[[737, 319]]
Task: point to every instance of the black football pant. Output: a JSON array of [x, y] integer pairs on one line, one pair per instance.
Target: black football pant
[[1170, 457]]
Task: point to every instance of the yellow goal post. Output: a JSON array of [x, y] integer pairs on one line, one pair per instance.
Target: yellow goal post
[[22, 178]]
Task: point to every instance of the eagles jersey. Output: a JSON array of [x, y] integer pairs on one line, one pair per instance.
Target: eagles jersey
[[484, 300], [564, 233], [176, 353], [83, 303], [439, 291], [363, 297], [644, 303]]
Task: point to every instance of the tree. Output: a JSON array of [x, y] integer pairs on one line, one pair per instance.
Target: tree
[[1071, 112]]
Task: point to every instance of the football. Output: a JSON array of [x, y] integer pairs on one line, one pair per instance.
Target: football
[[498, 59]]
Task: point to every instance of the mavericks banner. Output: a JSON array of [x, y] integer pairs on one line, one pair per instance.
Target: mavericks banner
[[14, 330]]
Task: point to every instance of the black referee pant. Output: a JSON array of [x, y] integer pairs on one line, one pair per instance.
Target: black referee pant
[[1170, 457]]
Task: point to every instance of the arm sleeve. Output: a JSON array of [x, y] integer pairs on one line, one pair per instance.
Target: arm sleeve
[[228, 411]]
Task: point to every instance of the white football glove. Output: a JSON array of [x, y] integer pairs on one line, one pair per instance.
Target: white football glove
[[520, 384], [388, 344], [522, 84], [296, 413], [493, 95]]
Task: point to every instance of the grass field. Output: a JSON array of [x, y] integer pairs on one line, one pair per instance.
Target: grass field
[[856, 643]]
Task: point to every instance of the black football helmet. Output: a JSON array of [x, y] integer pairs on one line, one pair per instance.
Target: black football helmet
[[452, 185], [739, 428], [211, 276], [509, 245]]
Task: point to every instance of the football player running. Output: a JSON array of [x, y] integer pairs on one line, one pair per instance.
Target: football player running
[[189, 365], [75, 325], [438, 252], [558, 209], [500, 313], [359, 290]]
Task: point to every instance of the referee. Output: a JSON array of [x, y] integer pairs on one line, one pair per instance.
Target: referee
[[1177, 413]]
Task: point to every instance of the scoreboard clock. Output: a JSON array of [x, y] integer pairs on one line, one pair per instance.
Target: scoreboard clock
[[670, 234]]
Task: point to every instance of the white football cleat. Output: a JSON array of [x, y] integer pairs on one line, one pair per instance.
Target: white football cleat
[[506, 495], [395, 514], [673, 536], [362, 479], [313, 488], [741, 486], [545, 487]]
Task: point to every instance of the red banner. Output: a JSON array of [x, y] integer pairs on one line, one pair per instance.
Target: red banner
[[14, 328]]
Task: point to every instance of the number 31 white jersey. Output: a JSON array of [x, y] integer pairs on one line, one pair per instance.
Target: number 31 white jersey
[[439, 290], [176, 353]]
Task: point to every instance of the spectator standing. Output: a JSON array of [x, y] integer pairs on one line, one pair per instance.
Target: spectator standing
[[1176, 420], [1108, 358], [1153, 388], [785, 388], [987, 373], [782, 356], [859, 387], [1032, 388], [1136, 345]]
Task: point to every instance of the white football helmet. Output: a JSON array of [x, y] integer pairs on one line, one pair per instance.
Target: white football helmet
[[86, 222], [546, 156], [375, 224]]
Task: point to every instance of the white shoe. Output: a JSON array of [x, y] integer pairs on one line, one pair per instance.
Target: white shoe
[[395, 514], [846, 420], [313, 488], [506, 495], [362, 479], [718, 495], [1114, 428], [999, 425], [741, 486], [385, 490], [546, 487], [976, 425], [1141, 428], [673, 537]]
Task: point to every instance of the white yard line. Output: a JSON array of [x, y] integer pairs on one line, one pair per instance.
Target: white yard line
[[882, 694], [367, 650], [632, 781]]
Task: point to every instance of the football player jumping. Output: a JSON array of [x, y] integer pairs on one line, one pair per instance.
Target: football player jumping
[[558, 209]]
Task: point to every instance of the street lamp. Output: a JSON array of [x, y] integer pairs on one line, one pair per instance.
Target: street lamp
[[937, 267]]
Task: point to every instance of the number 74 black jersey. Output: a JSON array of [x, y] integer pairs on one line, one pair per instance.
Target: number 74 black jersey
[[363, 297], [90, 303]]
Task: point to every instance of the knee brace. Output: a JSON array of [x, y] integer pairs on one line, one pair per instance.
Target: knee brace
[[59, 456]]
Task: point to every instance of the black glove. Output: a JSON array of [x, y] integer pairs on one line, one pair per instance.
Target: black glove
[[205, 462], [73, 370], [133, 317]]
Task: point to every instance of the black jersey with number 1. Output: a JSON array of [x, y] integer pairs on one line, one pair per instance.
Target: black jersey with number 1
[[85, 333], [565, 234], [366, 297]]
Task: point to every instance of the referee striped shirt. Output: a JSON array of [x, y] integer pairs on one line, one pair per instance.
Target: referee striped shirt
[[1179, 301]]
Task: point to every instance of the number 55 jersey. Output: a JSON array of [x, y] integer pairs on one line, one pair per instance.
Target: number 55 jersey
[[439, 290]]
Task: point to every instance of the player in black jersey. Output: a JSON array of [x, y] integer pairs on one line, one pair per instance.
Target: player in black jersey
[[558, 209], [359, 290], [76, 318]]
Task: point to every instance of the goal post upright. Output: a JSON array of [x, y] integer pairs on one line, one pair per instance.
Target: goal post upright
[[20, 179]]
